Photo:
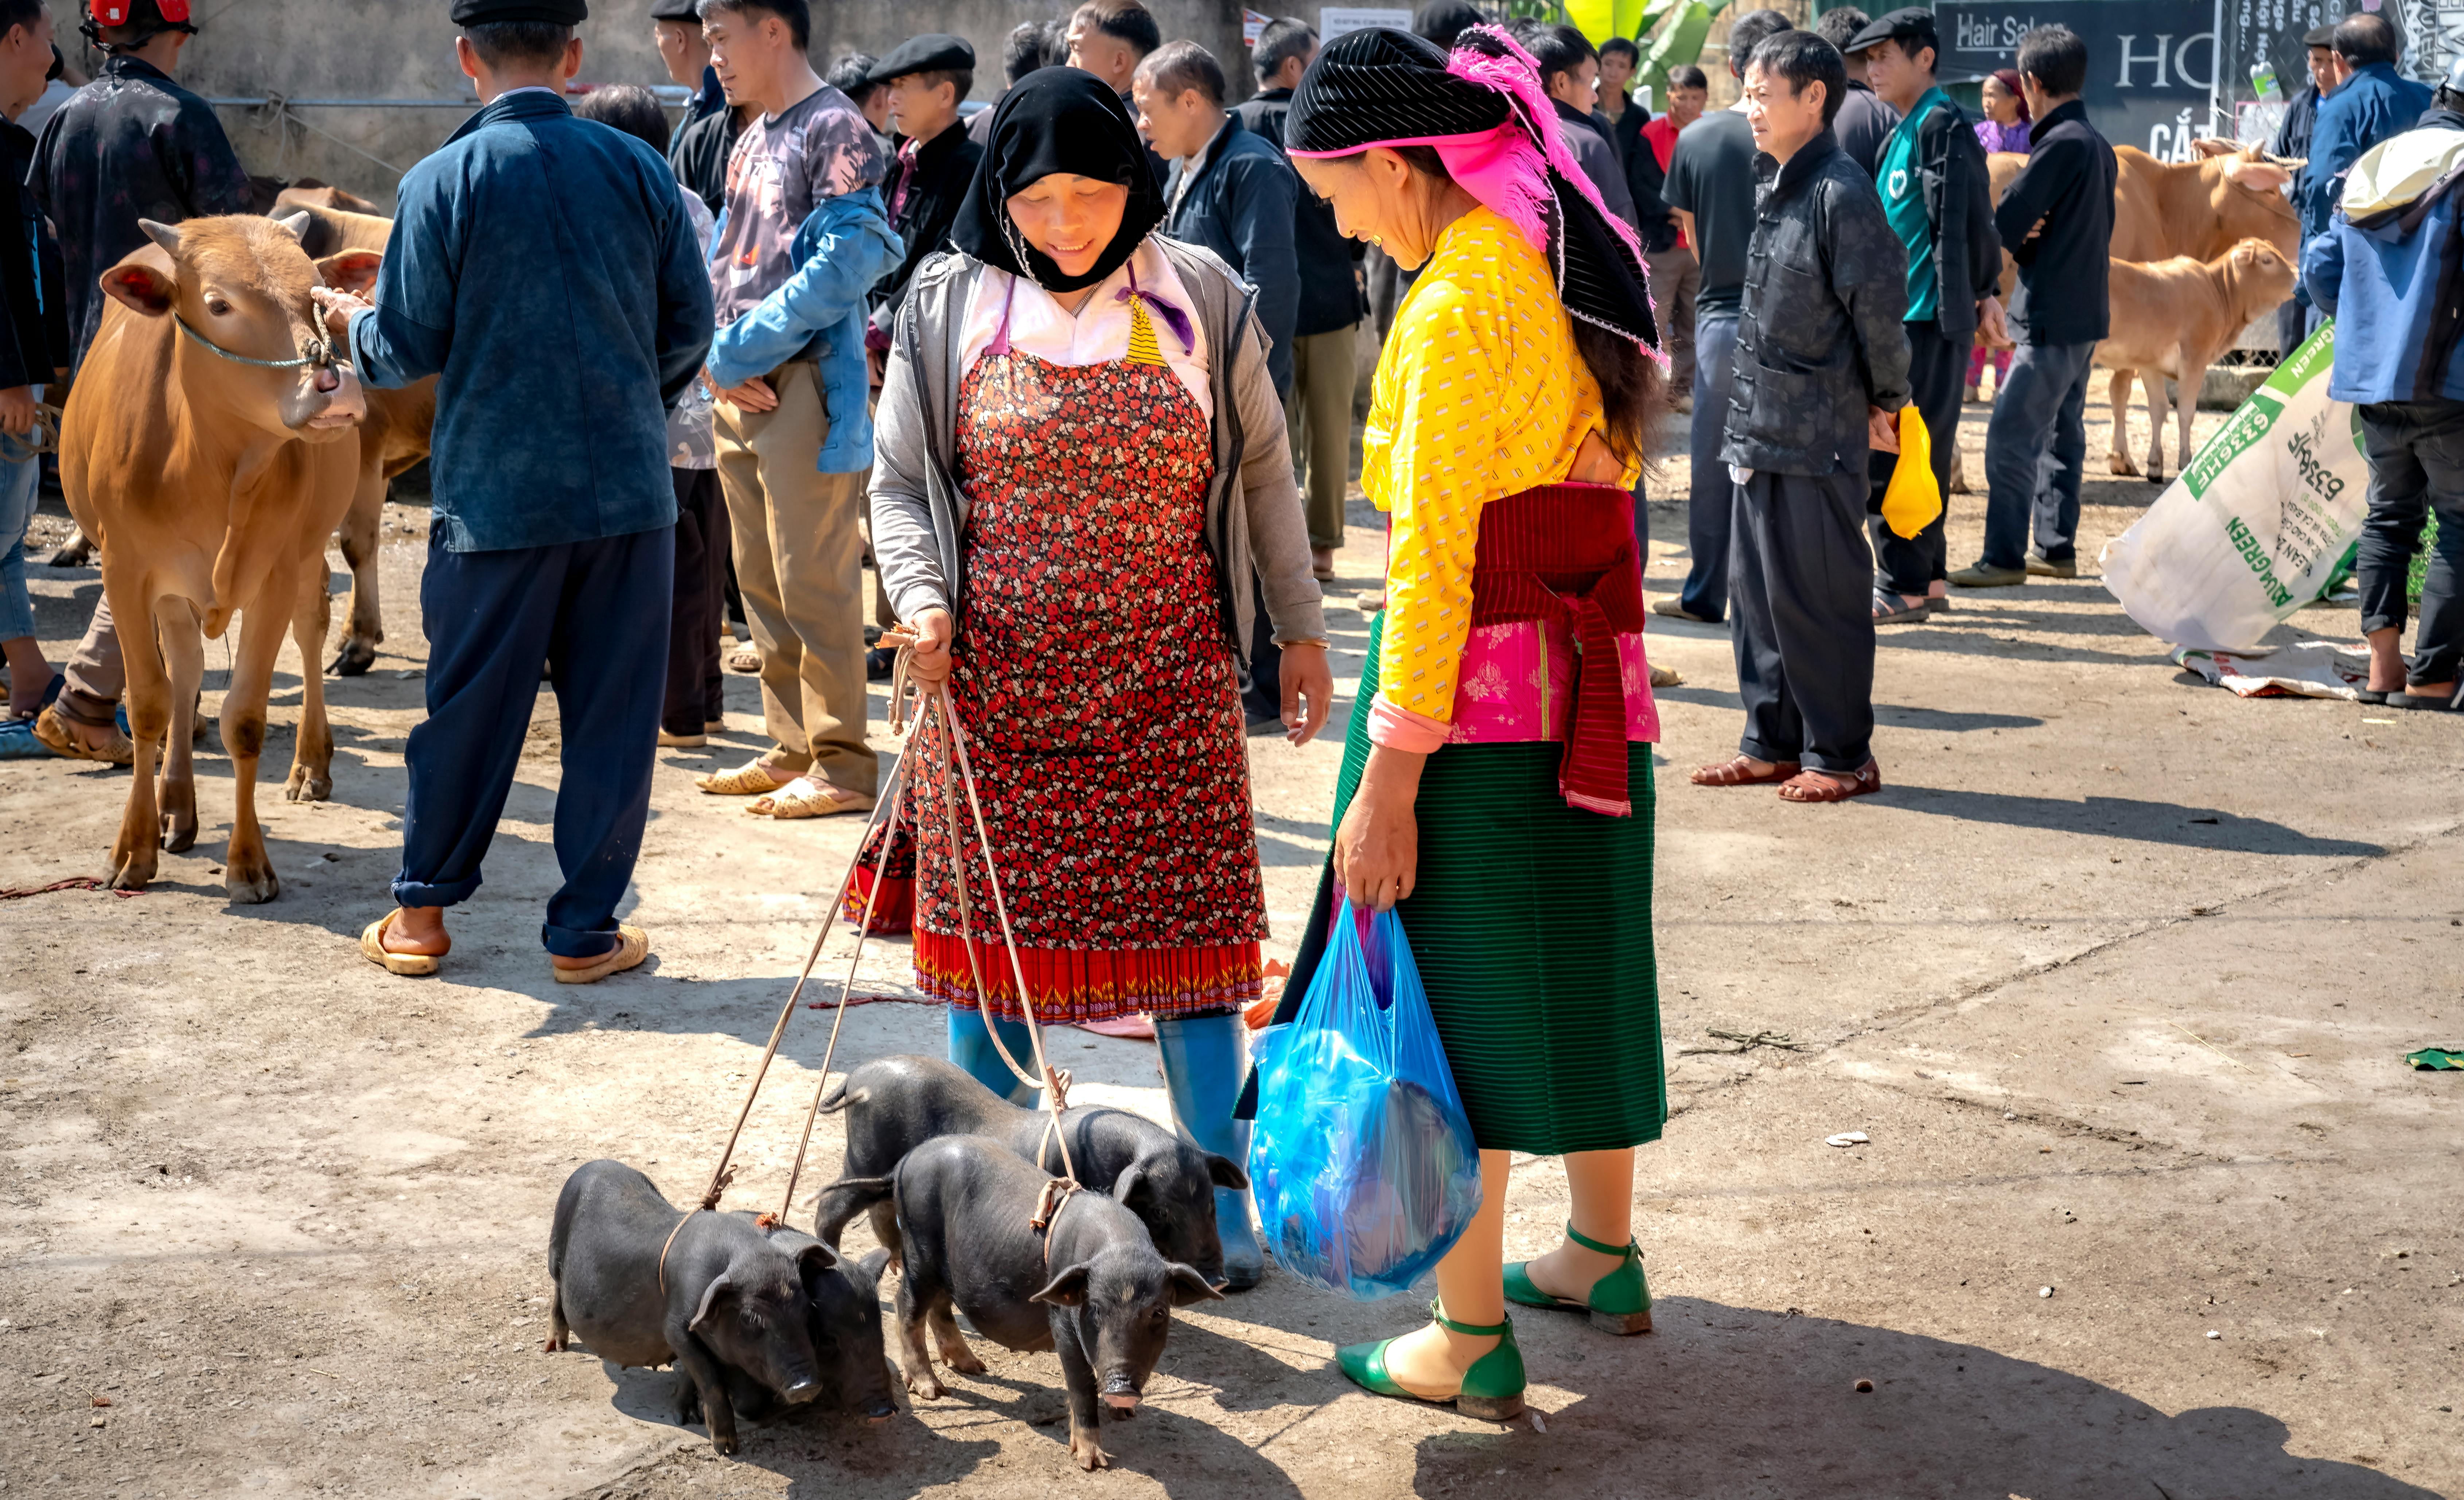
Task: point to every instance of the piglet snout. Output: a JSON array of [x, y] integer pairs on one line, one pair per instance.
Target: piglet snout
[[880, 1411], [1120, 1394], [802, 1391]]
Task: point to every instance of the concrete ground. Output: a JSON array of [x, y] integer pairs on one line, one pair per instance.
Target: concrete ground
[[275, 1223]]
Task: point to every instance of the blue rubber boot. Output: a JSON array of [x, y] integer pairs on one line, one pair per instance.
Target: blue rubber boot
[[972, 1049], [1203, 1066]]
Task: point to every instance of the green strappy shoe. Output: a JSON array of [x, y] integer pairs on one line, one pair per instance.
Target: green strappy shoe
[[1620, 1303], [1492, 1388]]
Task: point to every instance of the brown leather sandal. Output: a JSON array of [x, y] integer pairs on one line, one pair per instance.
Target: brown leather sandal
[[1819, 786], [1741, 772]]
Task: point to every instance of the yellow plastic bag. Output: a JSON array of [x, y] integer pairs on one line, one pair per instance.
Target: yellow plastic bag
[[1913, 499]]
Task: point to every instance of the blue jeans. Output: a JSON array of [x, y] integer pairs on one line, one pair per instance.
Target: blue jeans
[[2036, 454], [597, 613], [19, 484], [2416, 451], [1714, 496]]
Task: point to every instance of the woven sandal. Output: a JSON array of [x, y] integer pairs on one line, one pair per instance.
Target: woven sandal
[[796, 801], [745, 659], [750, 780], [372, 947], [632, 946], [1736, 773], [54, 731]]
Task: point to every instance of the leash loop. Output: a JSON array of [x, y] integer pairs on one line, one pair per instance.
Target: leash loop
[[321, 351]]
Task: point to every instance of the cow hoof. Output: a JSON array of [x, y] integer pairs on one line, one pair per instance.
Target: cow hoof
[[75, 552], [252, 893], [2124, 467], [179, 836], [304, 787], [354, 660]]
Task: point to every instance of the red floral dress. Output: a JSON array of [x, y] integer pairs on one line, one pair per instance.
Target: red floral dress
[[1098, 691]]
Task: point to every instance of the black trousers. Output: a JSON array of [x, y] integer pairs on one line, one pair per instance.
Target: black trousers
[[696, 692], [2416, 451], [1800, 592], [1937, 374], [592, 611]]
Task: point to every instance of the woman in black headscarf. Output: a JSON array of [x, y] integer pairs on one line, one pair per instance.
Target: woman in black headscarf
[[1496, 783], [1079, 461]]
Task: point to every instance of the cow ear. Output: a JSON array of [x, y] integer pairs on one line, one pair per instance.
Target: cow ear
[[167, 236], [1225, 1172], [1067, 1289], [296, 224], [1188, 1287], [148, 291], [352, 271], [711, 1294]]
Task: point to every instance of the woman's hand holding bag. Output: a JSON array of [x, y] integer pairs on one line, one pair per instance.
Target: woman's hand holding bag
[[1378, 849]]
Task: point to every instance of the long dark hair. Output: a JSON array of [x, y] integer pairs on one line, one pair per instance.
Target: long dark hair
[[1633, 388]]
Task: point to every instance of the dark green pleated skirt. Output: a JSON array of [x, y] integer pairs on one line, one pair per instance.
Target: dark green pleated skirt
[[1530, 922]]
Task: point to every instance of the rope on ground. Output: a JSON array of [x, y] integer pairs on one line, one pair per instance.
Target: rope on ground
[[73, 883]]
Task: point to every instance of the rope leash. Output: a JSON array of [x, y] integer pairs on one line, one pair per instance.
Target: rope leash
[[322, 353]]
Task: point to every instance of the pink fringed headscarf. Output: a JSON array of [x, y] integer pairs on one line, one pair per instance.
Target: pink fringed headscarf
[[1514, 168]]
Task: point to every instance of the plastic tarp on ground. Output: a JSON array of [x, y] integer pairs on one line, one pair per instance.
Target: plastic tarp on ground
[[2255, 524]]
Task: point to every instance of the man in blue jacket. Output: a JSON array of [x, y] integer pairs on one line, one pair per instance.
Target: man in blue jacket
[[2386, 270], [544, 267], [2372, 103]]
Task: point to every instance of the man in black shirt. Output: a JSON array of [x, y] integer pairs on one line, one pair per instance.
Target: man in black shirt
[[1711, 189], [1865, 119], [1326, 334], [2057, 219], [926, 76], [706, 137]]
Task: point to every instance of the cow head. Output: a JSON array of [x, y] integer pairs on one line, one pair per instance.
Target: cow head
[[2258, 277], [242, 284]]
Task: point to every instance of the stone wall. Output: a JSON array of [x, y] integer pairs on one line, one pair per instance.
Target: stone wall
[[392, 60]]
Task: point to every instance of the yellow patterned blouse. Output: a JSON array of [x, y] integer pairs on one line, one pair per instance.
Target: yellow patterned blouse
[[1480, 394]]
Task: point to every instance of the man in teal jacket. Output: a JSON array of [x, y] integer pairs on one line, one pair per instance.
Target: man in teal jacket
[[543, 266]]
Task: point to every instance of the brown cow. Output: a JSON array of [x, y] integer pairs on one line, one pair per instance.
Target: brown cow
[[393, 438], [307, 193], [2173, 318], [209, 447]]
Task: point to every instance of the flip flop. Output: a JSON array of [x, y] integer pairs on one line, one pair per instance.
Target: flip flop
[[1733, 773], [1819, 786], [632, 946], [372, 947], [2418, 702]]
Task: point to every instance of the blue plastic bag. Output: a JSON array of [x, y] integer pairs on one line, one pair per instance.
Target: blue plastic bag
[[1361, 1157]]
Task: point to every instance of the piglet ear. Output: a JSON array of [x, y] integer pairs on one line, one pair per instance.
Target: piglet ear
[[1226, 1172], [1067, 1289], [1188, 1287], [816, 1261], [142, 288], [710, 1299], [1130, 1185], [352, 271]]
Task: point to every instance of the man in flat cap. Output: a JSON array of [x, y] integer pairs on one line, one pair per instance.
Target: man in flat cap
[[2293, 143], [702, 140], [1939, 198], [927, 76], [546, 269]]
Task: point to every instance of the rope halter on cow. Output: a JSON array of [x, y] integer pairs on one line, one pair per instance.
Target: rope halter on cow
[[321, 352]]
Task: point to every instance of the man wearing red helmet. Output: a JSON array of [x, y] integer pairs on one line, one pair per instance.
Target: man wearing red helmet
[[132, 144]]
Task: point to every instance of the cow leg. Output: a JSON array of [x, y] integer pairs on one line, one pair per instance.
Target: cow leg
[[2155, 383], [137, 851], [312, 760], [183, 644], [357, 535], [2185, 405], [2116, 391], [248, 874]]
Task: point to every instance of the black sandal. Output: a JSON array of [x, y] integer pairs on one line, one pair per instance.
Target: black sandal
[[1889, 609]]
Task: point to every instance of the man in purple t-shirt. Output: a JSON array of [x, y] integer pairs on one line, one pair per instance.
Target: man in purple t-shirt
[[798, 553]]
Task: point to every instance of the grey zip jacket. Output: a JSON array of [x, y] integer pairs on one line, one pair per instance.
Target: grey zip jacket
[[1254, 518]]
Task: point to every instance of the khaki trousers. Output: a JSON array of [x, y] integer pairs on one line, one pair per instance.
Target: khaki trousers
[[799, 563], [1676, 276], [1319, 421]]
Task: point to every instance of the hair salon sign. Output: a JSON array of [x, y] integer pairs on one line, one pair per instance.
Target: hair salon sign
[[2150, 63]]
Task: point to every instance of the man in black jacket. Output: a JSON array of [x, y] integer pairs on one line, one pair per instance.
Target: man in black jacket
[[1867, 119], [1939, 198], [2291, 142], [2058, 217], [926, 75], [1326, 333], [1822, 363], [700, 148], [33, 344]]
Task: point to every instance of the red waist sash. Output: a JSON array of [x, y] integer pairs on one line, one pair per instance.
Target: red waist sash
[[1566, 552]]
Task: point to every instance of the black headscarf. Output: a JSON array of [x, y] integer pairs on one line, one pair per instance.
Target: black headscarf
[[1056, 119], [1379, 87]]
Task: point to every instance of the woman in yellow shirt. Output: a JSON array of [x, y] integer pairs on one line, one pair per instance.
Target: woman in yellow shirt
[[1496, 786]]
